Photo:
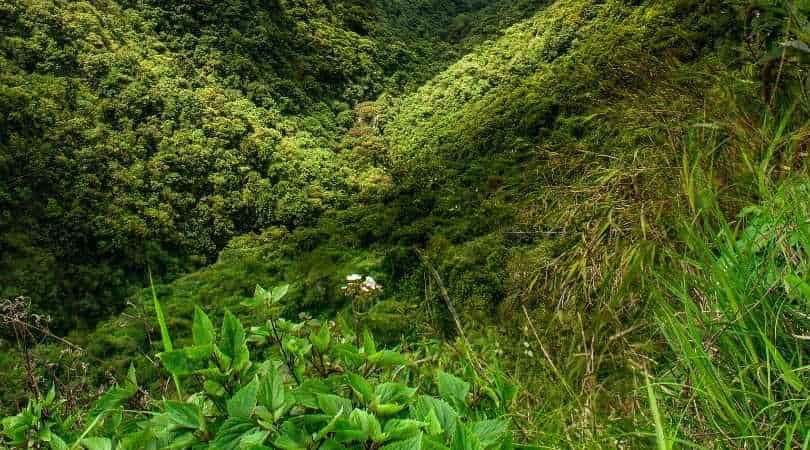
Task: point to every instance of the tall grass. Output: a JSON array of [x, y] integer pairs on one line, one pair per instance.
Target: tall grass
[[735, 308]]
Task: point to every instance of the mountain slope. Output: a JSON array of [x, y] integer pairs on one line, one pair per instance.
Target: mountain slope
[[143, 135], [541, 179]]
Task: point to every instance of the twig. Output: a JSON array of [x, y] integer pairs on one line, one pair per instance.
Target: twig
[[545, 353], [476, 365]]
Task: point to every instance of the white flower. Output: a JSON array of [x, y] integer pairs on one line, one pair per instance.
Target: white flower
[[526, 344], [354, 277]]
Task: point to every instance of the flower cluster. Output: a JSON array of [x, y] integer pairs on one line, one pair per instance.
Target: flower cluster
[[357, 285]]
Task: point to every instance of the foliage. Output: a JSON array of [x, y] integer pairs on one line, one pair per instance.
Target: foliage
[[327, 393], [575, 179], [733, 307]]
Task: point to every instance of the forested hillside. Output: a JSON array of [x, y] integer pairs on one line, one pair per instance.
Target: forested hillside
[[147, 134], [594, 212]]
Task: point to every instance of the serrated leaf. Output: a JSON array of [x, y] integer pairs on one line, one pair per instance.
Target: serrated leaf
[[272, 392], [465, 439], [453, 389], [329, 426], [230, 433], [242, 403], [233, 344], [202, 329], [387, 358], [97, 443], [186, 360], [445, 414], [331, 404], [414, 443], [361, 387], [369, 347], [365, 421], [490, 432], [185, 415], [434, 426], [348, 355], [112, 399], [306, 394], [213, 388], [253, 439], [291, 437], [399, 429], [132, 377], [394, 392], [321, 339], [182, 441]]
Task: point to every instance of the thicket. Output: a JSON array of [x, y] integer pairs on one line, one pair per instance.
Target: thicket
[[303, 385]]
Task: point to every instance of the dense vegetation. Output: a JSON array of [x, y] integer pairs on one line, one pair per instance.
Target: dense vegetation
[[602, 204], [147, 134]]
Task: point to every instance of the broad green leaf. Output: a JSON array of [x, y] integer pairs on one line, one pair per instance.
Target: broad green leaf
[[202, 328], [296, 346], [252, 439], [182, 441], [331, 444], [307, 393], [433, 443], [348, 355], [445, 414], [795, 285], [138, 440], [56, 442], [97, 443], [112, 399], [272, 392], [507, 391], [279, 292], [187, 360], [329, 426], [233, 344], [331, 404], [490, 432], [230, 433], [394, 392], [361, 387], [346, 432], [453, 389], [369, 424], [185, 415], [369, 348], [51, 396], [321, 339], [242, 403], [399, 429], [387, 358], [260, 294], [387, 409], [213, 388], [434, 427], [132, 377], [414, 443], [291, 437], [465, 439]]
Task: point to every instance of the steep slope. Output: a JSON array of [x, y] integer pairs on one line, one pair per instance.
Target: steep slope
[[541, 176], [141, 135]]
